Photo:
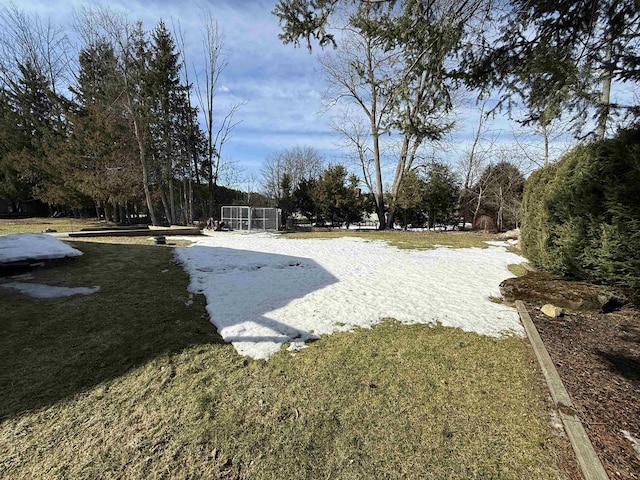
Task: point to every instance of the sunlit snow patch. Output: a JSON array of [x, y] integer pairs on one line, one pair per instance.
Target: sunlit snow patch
[[263, 291], [18, 247]]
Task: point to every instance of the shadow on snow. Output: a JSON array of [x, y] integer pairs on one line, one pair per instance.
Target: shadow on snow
[[243, 287]]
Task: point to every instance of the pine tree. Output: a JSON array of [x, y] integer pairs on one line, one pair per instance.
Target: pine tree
[[441, 194], [559, 56], [12, 139], [167, 99], [42, 132], [303, 198], [100, 146], [337, 197], [411, 199]]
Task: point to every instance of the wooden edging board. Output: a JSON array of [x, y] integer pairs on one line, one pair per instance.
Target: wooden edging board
[[137, 233], [588, 460]]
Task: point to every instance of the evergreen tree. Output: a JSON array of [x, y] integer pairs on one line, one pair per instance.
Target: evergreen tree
[[303, 200], [286, 202], [101, 148], [336, 197], [441, 194], [12, 140], [559, 56], [411, 199], [167, 98], [42, 132]]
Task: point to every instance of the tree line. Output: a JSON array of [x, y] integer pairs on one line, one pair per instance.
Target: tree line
[[121, 127], [431, 194], [395, 67], [120, 131]]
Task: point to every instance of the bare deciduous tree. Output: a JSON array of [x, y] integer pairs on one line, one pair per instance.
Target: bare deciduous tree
[[28, 40], [218, 128], [396, 81], [298, 163], [555, 137], [471, 165]]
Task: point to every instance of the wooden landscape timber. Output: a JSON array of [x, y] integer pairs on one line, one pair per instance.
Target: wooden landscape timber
[[115, 227], [137, 232], [588, 460]]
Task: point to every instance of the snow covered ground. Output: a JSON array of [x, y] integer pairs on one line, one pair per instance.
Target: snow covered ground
[[19, 247], [263, 291], [33, 246]]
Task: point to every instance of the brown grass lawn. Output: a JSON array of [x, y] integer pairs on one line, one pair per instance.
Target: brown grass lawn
[[133, 382], [37, 225], [407, 240]]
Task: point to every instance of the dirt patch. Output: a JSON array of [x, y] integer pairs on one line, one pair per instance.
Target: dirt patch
[[598, 358], [539, 288]]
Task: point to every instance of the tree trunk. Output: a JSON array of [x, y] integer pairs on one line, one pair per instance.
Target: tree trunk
[[545, 130], [121, 210], [191, 218], [195, 166], [107, 212], [605, 97], [375, 134], [145, 172], [116, 213], [476, 210], [405, 163], [172, 202], [165, 204]]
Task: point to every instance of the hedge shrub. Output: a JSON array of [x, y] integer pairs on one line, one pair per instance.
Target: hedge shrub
[[581, 215]]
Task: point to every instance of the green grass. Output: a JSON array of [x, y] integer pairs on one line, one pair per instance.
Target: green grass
[[407, 240], [131, 383]]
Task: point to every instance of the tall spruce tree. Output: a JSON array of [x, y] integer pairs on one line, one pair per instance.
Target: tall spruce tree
[[43, 130], [13, 188], [336, 196], [100, 146], [441, 194], [167, 98]]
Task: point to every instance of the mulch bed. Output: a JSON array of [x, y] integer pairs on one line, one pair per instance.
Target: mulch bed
[[598, 358]]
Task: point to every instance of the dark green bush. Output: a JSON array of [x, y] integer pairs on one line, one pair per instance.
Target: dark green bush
[[581, 215]]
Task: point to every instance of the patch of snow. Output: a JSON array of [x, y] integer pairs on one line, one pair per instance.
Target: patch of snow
[[18, 247], [263, 291], [556, 423], [189, 302], [635, 443], [39, 290]]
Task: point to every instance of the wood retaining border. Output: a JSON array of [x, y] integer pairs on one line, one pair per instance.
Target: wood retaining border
[[137, 232], [588, 460]]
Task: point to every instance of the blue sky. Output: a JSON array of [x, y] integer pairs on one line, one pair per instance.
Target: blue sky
[[280, 86]]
